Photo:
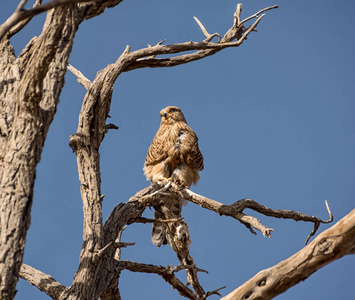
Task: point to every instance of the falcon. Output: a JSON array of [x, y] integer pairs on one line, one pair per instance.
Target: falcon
[[174, 153]]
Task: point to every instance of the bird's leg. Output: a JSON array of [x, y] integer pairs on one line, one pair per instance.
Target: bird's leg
[[166, 180], [181, 184], [166, 185]]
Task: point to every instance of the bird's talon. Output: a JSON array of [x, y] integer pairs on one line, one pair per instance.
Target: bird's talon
[[164, 180]]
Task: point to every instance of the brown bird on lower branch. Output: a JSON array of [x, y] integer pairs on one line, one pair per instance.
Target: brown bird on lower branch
[[174, 152]]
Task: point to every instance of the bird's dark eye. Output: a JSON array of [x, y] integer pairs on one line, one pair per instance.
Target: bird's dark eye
[[173, 110]]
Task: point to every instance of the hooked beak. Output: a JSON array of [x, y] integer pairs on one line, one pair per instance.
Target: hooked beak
[[165, 114]]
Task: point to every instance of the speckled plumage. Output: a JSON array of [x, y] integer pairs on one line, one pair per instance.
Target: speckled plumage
[[173, 152]]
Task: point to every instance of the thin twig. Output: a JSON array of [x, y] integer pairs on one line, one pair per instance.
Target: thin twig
[[118, 240], [86, 83], [215, 292], [316, 224], [116, 245], [20, 25], [167, 273], [208, 36], [156, 221], [256, 15], [237, 15]]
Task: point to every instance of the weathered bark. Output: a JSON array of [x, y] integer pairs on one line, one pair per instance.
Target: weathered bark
[[30, 94], [236, 209], [42, 281], [328, 246], [86, 143], [30, 86]]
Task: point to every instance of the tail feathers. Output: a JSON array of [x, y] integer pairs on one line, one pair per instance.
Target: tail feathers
[[160, 235], [160, 232]]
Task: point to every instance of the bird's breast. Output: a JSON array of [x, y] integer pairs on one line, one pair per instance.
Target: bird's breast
[[179, 142]]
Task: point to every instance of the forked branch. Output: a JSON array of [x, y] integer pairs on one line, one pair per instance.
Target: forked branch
[[208, 36], [235, 211], [147, 57], [19, 25], [168, 274], [21, 14], [155, 195]]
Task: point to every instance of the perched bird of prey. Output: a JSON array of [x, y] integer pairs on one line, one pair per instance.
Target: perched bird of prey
[[174, 152]]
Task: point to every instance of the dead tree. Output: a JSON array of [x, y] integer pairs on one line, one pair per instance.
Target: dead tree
[[30, 87]]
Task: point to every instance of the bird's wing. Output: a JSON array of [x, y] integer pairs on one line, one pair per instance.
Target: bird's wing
[[158, 149], [190, 149]]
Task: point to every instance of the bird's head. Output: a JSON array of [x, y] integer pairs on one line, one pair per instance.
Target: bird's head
[[171, 114]]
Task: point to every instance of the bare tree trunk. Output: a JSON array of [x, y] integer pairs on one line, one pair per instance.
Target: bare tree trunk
[[31, 85]]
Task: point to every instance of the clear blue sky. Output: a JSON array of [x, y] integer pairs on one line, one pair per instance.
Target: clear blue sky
[[275, 119]]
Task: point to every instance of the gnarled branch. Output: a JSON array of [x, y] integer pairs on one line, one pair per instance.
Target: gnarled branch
[[168, 274], [235, 211], [154, 195], [21, 14]]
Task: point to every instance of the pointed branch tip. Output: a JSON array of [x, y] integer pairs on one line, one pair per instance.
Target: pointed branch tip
[[161, 42], [208, 36], [215, 292], [127, 49], [329, 212]]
